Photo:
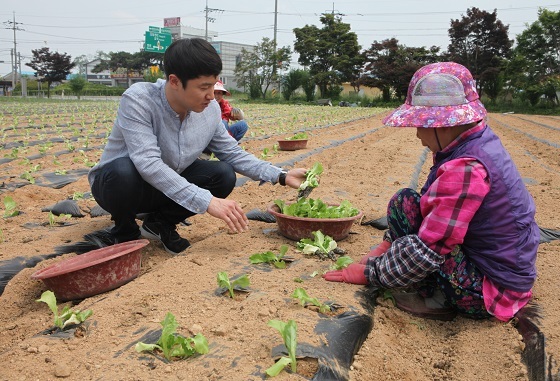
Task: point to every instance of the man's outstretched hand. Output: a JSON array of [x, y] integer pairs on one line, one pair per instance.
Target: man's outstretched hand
[[295, 177], [354, 273], [230, 212]]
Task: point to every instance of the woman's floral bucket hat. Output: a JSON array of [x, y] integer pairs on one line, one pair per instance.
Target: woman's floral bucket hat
[[442, 94]]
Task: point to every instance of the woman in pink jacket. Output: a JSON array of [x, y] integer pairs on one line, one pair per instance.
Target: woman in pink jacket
[[467, 241]]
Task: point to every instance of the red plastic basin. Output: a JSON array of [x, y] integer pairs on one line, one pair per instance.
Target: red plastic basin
[[296, 228], [292, 145], [94, 272]]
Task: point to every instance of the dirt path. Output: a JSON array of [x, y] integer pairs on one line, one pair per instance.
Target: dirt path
[[364, 163]]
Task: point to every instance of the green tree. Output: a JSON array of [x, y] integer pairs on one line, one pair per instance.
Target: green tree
[[144, 60], [536, 61], [480, 42], [257, 69], [77, 84], [390, 65], [117, 60], [494, 86], [332, 53], [291, 82], [50, 66], [129, 62], [80, 63], [308, 85]]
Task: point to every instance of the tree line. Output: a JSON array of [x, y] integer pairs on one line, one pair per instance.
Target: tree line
[[330, 56]]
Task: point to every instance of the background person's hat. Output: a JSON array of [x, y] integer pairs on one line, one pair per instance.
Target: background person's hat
[[439, 95], [219, 86]]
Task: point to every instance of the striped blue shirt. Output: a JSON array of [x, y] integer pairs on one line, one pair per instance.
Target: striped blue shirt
[[161, 146]]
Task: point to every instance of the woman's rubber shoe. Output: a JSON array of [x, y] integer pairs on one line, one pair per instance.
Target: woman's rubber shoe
[[415, 305]]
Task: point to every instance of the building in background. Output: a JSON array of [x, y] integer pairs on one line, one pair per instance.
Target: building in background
[[109, 78], [101, 78], [230, 52]]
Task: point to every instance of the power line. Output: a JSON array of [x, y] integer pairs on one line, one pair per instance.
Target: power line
[[80, 39]]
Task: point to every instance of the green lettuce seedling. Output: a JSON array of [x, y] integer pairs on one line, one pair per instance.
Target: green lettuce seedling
[[310, 208], [322, 245], [53, 219], [67, 316], [301, 295], [298, 136], [311, 181], [224, 281], [289, 334], [10, 207], [342, 263], [173, 345], [270, 257], [78, 196]]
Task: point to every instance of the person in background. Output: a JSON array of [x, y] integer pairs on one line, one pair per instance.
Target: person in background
[[239, 127], [150, 164], [467, 243]]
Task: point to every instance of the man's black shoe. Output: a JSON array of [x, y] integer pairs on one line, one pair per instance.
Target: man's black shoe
[[166, 234]]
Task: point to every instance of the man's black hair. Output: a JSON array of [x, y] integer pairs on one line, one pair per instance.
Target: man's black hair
[[191, 58]]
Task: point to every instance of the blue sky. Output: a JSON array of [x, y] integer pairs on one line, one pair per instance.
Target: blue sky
[[78, 28]]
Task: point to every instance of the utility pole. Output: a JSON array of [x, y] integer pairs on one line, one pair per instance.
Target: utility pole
[[19, 64], [208, 18], [12, 58], [275, 22], [14, 26], [274, 68], [335, 12]]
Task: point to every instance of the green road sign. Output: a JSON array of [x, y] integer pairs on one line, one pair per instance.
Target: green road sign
[[157, 29], [156, 42]]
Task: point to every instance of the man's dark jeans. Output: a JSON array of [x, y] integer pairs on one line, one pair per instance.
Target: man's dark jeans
[[120, 190]]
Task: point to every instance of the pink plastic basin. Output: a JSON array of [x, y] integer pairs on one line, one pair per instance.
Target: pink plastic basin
[[296, 228], [94, 272]]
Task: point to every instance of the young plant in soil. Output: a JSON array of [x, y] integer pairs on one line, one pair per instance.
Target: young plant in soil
[[67, 316], [265, 155], [289, 334], [10, 207], [304, 299], [27, 176], [224, 281], [341, 263], [76, 196], [321, 245], [311, 181], [270, 257], [173, 345], [58, 220]]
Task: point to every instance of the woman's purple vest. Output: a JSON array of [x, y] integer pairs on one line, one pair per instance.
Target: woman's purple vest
[[503, 237]]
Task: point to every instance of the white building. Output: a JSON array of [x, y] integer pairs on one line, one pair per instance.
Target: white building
[[230, 52]]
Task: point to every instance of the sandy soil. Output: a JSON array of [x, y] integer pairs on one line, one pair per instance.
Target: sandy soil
[[364, 163]]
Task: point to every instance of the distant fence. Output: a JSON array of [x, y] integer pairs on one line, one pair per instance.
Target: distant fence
[[58, 94]]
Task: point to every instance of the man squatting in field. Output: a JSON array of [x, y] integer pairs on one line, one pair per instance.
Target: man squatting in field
[[150, 163]]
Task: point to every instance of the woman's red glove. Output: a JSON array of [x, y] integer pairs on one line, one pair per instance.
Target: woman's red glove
[[354, 273], [376, 252]]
